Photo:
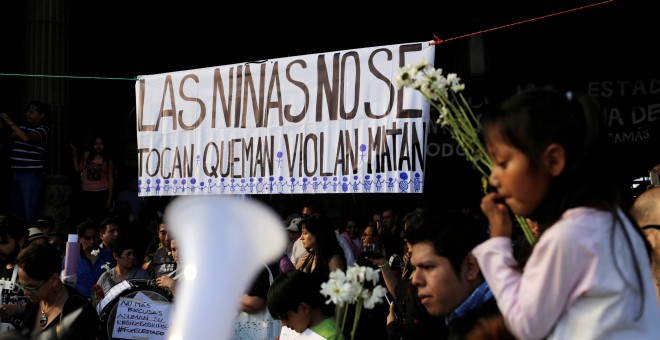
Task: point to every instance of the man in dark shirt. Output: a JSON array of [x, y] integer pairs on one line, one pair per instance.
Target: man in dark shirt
[[162, 262], [27, 160], [448, 278]]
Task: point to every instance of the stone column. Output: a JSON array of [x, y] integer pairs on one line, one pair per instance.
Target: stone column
[[47, 52]]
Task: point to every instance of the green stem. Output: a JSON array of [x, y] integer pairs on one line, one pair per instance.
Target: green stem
[[464, 128], [356, 318], [529, 235]]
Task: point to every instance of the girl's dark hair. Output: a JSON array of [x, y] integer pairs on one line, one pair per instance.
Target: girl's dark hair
[[326, 242], [40, 261], [90, 155], [291, 288], [533, 119]]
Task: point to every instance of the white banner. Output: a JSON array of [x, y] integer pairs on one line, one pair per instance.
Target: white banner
[[322, 123]]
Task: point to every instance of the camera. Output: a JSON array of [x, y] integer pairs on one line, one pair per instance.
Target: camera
[[371, 251]]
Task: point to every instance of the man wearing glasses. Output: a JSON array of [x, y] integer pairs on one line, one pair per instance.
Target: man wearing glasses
[[13, 233], [646, 212]]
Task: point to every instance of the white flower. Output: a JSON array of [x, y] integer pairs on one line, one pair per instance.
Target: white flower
[[454, 115], [96, 252], [455, 82], [349, 288], [405, 77], [336, 291], [106, 266], [371, 298], [421, 65]]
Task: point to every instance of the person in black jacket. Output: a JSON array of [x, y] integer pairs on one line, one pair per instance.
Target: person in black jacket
[[52, 305], [447, 277]]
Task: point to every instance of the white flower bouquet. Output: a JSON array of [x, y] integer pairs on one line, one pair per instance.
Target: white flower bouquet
[[350, 288], [445, 94]]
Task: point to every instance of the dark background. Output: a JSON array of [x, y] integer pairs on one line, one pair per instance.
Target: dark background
[[611, 41]]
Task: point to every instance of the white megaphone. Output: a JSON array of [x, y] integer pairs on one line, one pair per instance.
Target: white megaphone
[[222, 242]]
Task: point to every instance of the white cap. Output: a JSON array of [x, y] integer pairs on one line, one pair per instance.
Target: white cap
[[294, 225]]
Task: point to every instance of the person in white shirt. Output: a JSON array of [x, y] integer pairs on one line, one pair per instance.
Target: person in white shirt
[[295, 249], [589, 274]]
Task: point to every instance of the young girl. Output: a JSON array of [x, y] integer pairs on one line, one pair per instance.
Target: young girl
[[588, 277], [97, 179]]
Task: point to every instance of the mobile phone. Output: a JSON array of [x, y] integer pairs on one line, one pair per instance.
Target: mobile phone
[[397, 314]]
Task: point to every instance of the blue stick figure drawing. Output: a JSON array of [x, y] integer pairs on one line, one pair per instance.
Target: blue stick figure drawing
[[403, 182], [279, 159], [363, 148], [417, 182]]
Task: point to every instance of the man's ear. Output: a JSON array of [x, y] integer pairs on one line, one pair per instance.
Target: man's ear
[[471, 267], [554, 159]]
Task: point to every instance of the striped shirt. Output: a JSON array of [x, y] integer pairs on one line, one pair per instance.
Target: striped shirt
[[30, 156]]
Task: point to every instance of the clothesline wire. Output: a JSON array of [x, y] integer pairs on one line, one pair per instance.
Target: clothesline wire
[[436, 41]]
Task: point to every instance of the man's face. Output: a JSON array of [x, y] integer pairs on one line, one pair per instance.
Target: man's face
[[653, 235], [438, 287], [9, 249], [111, 234], [388, 218], [33, 117], [294, 235], [378, 218], [306, 211], [352, 229], [89, 240], [163, 236]]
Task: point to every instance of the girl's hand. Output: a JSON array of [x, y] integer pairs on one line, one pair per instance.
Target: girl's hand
[[498, 215]]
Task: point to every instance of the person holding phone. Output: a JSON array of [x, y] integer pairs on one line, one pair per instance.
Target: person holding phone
[[408, 318]]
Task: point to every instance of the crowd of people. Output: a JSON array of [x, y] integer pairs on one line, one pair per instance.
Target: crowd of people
[[590, 273]]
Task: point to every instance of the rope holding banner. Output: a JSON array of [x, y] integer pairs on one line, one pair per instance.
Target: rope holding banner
[[436, 40]]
